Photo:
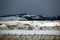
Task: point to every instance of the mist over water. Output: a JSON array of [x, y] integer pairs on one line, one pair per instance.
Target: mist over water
[[36, 7]]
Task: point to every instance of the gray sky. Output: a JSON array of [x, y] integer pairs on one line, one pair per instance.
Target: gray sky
[[41, 7]]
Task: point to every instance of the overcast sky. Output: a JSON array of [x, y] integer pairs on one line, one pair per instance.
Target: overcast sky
[[40, 7]]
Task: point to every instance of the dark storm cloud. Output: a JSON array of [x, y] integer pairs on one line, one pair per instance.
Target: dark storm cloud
[[42, 7]]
